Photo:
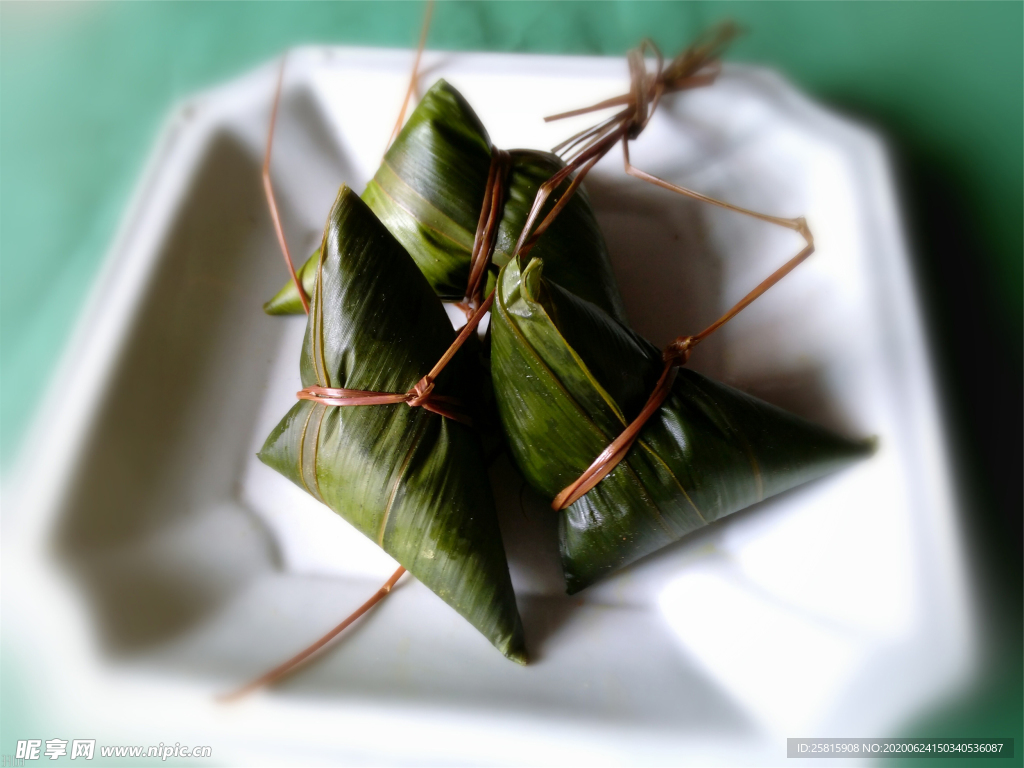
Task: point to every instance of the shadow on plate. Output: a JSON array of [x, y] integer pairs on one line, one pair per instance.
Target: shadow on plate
[[151, 529]]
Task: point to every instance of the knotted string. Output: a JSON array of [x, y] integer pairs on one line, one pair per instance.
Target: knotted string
[[422, 394], [695, 67], [675, 355]]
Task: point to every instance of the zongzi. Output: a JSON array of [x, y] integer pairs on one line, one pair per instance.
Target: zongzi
[[569, 378], [429, 191], [410, 478]]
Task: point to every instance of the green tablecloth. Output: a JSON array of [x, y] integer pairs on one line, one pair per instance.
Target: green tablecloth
[[84, 88]]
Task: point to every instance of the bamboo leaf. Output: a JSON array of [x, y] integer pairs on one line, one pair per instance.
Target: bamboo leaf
[[287, 301], [568, 379], [429, 190], [409, 479]]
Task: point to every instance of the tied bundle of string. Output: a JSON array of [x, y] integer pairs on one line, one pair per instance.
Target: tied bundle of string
[[695, 67], [422, 394]]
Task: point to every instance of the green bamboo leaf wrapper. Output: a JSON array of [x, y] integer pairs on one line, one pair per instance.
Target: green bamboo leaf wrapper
[[409, 479], [568, 379], [429, 190]]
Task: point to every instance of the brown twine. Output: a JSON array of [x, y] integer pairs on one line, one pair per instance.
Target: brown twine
[[695, 67], [487, 226], [422, 394], [675, 355]]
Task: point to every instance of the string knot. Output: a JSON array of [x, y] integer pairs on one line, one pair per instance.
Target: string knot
[[678, 352], [695, 67], [420, 393], [645, 87]]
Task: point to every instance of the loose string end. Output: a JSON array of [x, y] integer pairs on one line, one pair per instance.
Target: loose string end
[[282, 670]]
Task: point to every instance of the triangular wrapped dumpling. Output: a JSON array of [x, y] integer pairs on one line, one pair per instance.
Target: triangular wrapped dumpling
[[413, 481], [568, 379], [430, 188]]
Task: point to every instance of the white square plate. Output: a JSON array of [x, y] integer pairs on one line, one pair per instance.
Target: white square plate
[[183, 566]]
